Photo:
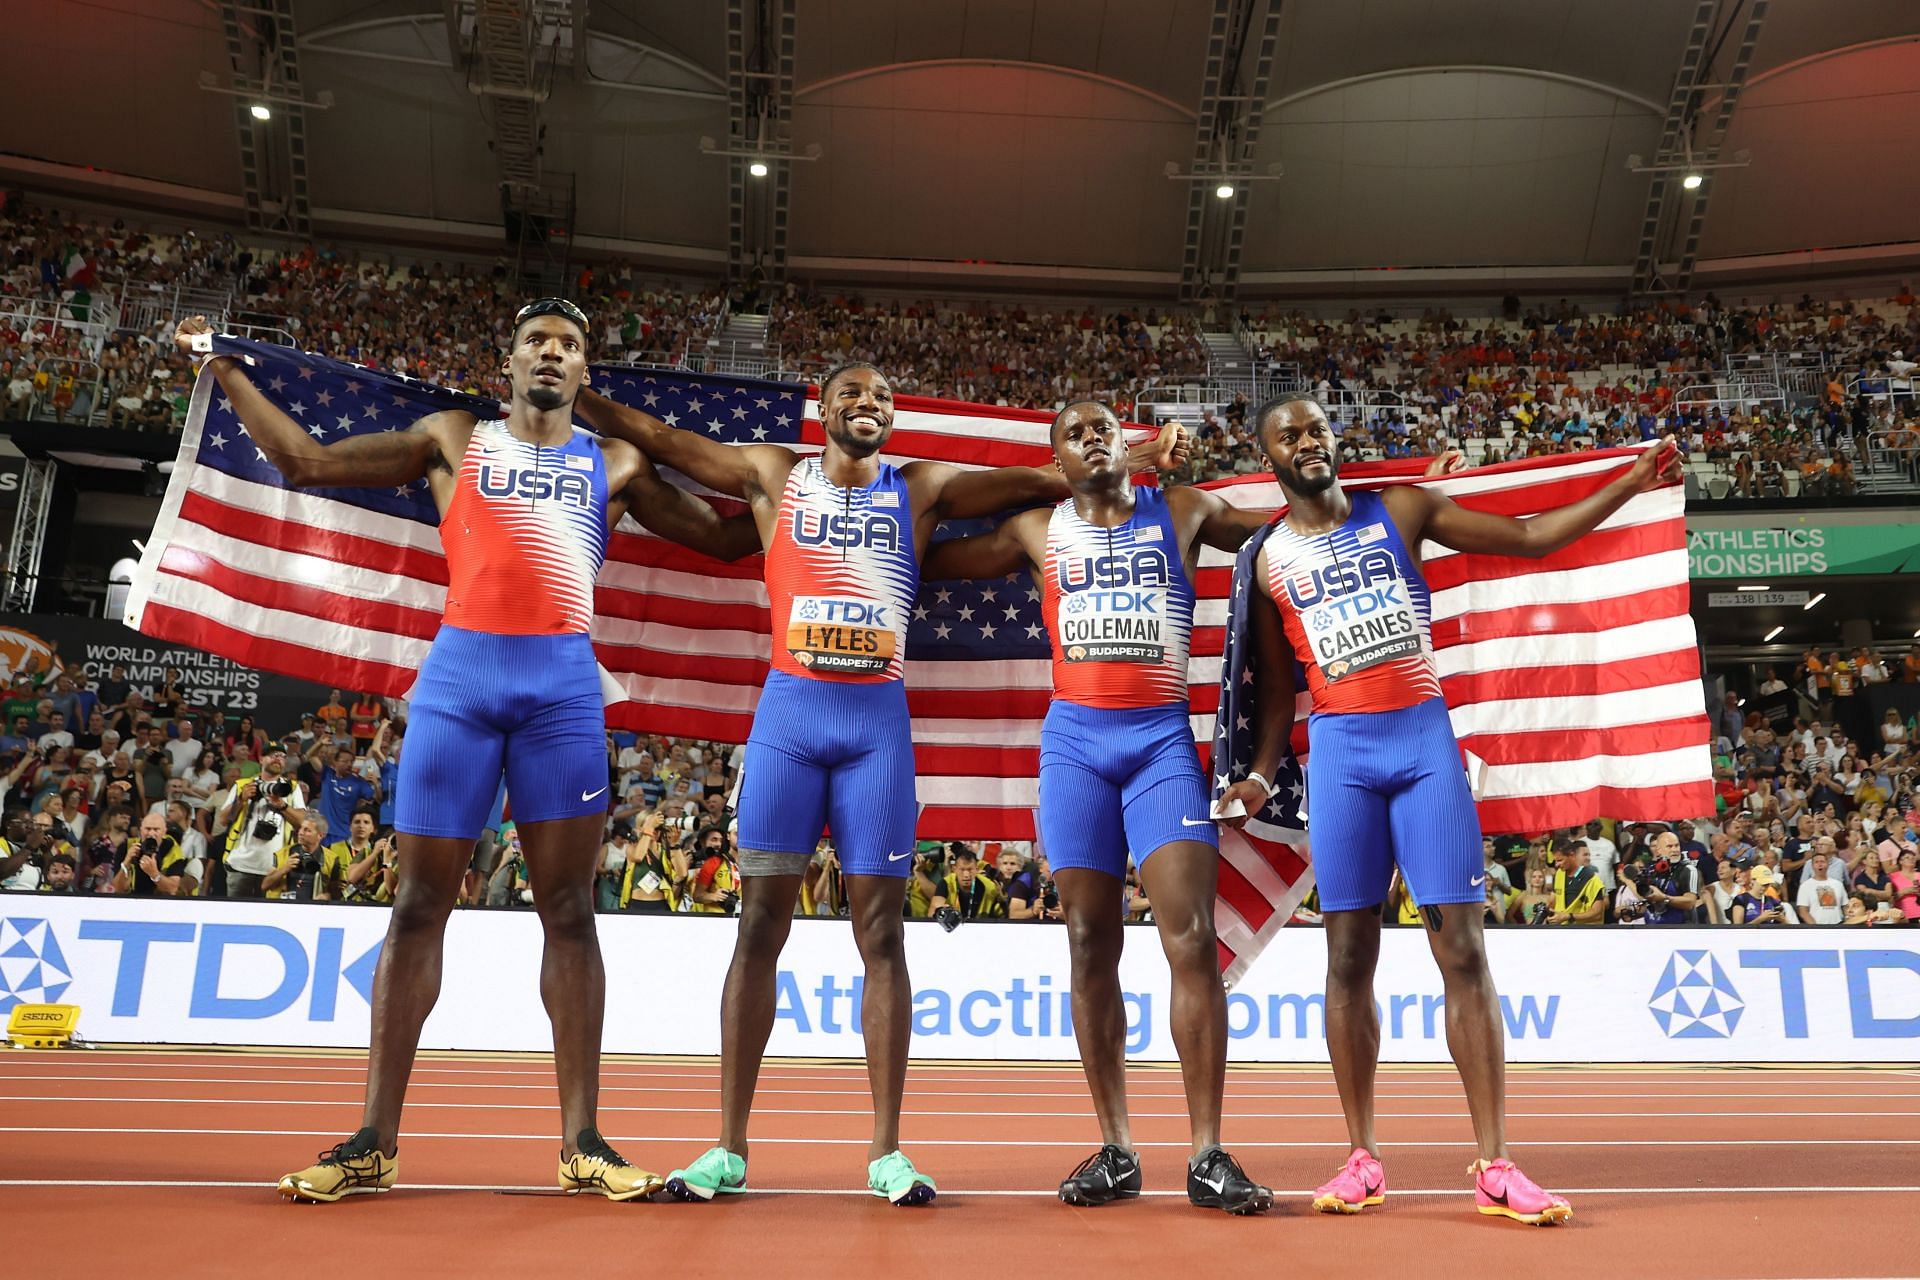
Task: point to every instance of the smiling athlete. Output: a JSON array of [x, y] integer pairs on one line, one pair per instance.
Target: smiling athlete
[[1385, 783], [510, 687], [1119, 772], [831, 741]]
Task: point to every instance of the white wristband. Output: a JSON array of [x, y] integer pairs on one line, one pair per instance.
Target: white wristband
[[1255, 776]]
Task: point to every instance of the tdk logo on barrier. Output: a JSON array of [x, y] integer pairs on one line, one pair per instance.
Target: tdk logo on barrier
[[316, 969], [33, 970], [1694, 1000], [1877, 990]]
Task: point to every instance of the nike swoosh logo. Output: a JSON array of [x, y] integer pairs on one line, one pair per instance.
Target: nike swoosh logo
[[588, 795], [895, 857], [1477, 881], [1189, 822], [1218, 1186]]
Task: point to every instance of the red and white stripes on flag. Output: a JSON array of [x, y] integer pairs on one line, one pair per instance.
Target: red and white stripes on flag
[[1574, 680]]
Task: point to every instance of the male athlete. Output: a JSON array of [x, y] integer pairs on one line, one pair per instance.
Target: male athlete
[[1119, 772], [845, 534], [510, 686], [1384, 777]]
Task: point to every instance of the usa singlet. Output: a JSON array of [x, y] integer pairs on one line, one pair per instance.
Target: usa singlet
[[1119, 773], [1385, 782], [511, 687], [1118, 606], [832, 744], [525, 534], [841, 576], [1356, 611]]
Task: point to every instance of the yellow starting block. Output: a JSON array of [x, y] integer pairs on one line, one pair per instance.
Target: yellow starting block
[[42, 1026]]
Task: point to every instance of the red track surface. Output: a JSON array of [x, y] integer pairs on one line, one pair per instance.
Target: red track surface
[[1698, 1172]]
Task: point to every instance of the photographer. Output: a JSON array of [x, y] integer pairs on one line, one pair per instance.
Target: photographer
[[154, 865], [255, 818], [356, 855], [1663, 882], [19, 867], [974, 896], [1579, 894], [307, 870], [713, 877], [1030, 895], [647, 872], [823, 889], [375, 877]]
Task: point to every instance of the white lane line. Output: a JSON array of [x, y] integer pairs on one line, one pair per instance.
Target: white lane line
[[1079, 1091], [1328, 1145], [148, 1101], [355, 1061], [1042, 1193]]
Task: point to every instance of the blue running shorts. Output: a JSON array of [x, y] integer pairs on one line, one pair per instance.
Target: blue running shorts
[[486, 705], [1386, 787], [830, 753], [1115, 781]]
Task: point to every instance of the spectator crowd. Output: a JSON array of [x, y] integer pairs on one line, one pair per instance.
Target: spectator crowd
[[1524, 383], [110, 790]]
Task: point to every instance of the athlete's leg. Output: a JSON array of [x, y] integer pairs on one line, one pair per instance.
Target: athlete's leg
[[783, 806], [1436, 838], [1090, 901], [1353, 1024], [1083, 759], [1353, 865], [449, 775], [871, 811], [1181, 881], [1475, 1037], [748, 999], [1164, 801], [877, 904], [561, 857], [406, 982]]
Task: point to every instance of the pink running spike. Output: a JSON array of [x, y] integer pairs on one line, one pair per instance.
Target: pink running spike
[[1361, 1182], [1500, 1190]]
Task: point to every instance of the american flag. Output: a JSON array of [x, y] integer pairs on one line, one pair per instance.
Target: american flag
[[346, 587], [1573, 681]]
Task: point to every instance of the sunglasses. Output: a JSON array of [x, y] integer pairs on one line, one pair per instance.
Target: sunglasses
[[551, 307]]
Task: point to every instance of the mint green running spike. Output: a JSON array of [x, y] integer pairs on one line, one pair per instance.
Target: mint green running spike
[[717, 1170], [894, 1178]]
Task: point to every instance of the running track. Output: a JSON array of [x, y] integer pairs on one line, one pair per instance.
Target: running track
[[1697, 1172]]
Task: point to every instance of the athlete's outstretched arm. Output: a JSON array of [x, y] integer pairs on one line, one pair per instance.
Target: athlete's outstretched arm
[[965, 494], [672, 512], [1000, 551], [743, 470], [1223, 526], [1274, 697], [375, 459], [1452, 525]]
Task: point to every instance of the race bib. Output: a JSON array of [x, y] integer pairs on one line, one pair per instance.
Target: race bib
[[1125, 624], [841, 634], [1362, 629]]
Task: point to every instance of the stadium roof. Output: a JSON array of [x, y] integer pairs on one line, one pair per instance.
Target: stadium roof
[[1483, 134]]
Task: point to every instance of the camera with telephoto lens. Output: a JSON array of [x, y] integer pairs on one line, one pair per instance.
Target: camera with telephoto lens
[[1539, 914], [150, 847], [278, 789], [1051, 898]]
